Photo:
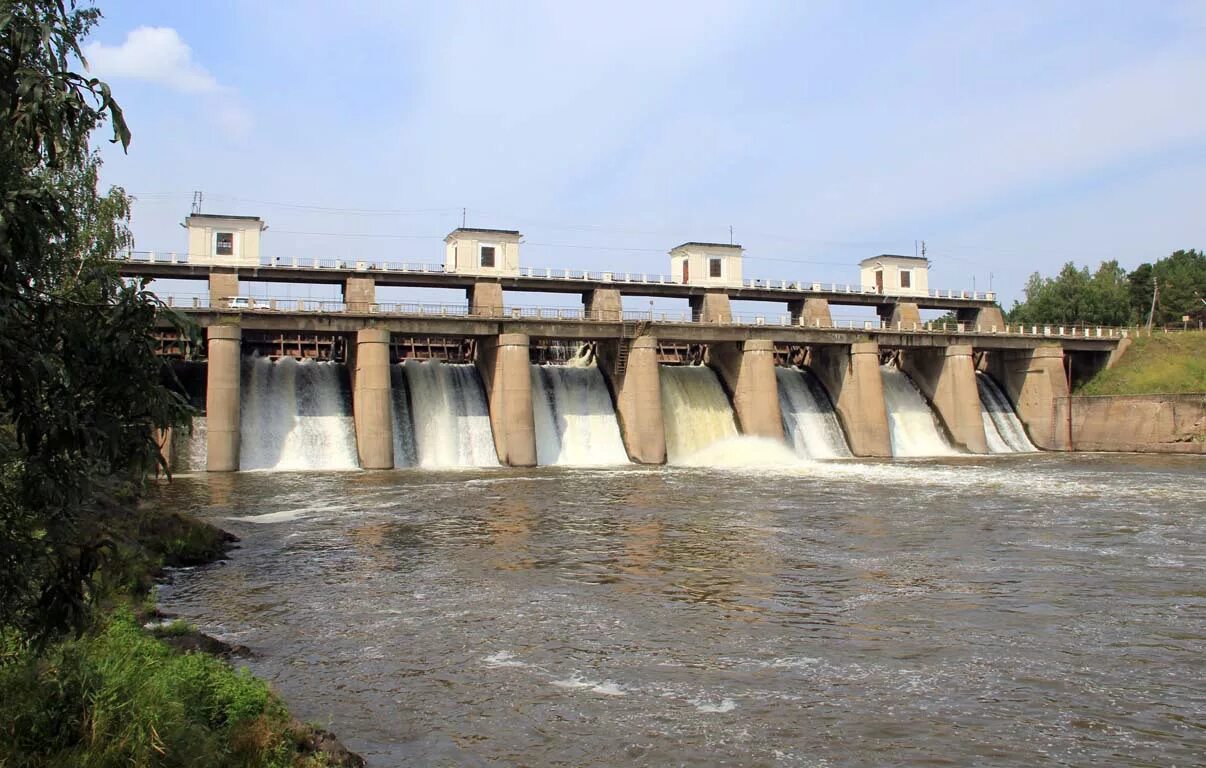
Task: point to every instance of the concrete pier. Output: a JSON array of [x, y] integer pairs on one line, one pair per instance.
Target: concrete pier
[[1035, 382], [506, 372], [711, 307], [359, 294], [982, 319], [748, 372], [223, 285], [947, 378], [851, 376], [638, 394], [814, 312], [603, 304], [222, 401], [485, 299], [371, 400], [902, 314]]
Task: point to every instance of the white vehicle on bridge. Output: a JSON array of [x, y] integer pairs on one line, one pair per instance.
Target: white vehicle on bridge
[[245, 302]]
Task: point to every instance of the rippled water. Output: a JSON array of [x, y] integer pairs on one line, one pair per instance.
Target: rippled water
[[1016, 611]]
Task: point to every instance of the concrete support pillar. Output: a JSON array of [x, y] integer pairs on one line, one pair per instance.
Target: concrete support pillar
[[638, 392], [1036, 384], [506, 372], [603, 304], [371, 400], [851, 375], [906, 313], [982, 319], [360, 294], [814, 312], [748, 371], [486, 299], [223, 286], [947, 378], [711, 307], [222, 398]]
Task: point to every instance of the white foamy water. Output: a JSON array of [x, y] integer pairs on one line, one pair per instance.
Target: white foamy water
[[450, 414], [695, 410], [575, 419], [191, 448], [295, 416], [809, 421], [743, 452], [912, 424], [406, 453], [1002, 427]]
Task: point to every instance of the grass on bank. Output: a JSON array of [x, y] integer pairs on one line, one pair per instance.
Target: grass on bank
[[122, 696], [1164, 363]]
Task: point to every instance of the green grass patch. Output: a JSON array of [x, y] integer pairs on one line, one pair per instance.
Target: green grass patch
[[1164, 363]]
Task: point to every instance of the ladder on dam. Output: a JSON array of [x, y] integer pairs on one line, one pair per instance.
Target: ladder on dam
[[629, 330]]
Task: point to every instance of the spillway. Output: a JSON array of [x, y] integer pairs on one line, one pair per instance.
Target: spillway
[[809, 422], [695, 410], [911, 422], [191, 448], [449, 416], [406, 452], [1002, 427], [575, 419], [295, 416]]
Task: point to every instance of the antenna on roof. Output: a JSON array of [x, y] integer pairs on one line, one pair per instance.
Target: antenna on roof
[[198, 196], [923, 249], [462, 218], [730, 234]]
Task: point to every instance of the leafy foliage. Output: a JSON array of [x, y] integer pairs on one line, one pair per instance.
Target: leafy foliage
[[81, 389], [1111, 296]]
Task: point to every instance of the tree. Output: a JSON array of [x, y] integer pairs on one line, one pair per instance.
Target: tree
[[1182, 281], [81, 389], [1076, 296]]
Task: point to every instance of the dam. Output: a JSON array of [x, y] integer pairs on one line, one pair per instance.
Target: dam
[[380, 385]]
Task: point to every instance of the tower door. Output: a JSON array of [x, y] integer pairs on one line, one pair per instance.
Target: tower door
[[879, 281], [686, 272]]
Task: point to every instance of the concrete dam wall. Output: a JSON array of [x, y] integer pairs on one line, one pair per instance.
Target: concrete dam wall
[[1145, 423]]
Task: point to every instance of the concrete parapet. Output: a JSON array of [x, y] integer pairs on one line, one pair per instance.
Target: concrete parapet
[[222, 399], [711, 307], [982, 319], [851, 375], [748, 372], [813, 312], [603, 304], [1035, 382], [903, 314], [505, 369], [359, 294], [223, 285], [372, 400], [638, 394], [485, 299], [947, 378]]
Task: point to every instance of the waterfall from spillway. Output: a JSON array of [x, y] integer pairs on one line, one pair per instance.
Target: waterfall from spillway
[[450, 416], [406, 453], [911, 422], [191, 448], [1001, 425], [809, 422], [295, 415], [695, 410], [575, 420]]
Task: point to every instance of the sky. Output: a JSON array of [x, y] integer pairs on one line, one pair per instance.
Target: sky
[[1011, 137]]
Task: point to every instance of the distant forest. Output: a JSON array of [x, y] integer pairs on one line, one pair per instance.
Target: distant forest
[[1113, 296]]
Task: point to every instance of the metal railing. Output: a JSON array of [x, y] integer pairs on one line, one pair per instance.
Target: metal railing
[[257, 304]]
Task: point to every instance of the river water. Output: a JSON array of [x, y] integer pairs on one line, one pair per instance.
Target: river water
[[1016, 610]]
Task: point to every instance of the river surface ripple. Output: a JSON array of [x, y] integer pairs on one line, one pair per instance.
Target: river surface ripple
[[1019, 610]]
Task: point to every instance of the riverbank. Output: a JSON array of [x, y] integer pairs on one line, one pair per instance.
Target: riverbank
[[1166, 363], [132, 690]]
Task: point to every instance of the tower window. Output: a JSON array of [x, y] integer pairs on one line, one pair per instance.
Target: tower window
[[224, 244], [714, 265], [487, 253], [906, 278]]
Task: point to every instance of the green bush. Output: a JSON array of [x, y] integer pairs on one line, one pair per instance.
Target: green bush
[[119, 697]]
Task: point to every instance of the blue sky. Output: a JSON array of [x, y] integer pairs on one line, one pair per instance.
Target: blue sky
[[1011, 137]]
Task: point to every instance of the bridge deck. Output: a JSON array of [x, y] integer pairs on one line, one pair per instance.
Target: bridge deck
[[468, 326], [632, 285]]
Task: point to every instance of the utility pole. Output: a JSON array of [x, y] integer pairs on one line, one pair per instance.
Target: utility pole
[[1155, 297]]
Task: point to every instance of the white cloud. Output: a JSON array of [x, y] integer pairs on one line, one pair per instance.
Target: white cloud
[[155, 54]]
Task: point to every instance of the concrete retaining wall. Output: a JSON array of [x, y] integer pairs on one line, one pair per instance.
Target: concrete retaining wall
[[1145, 423]]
